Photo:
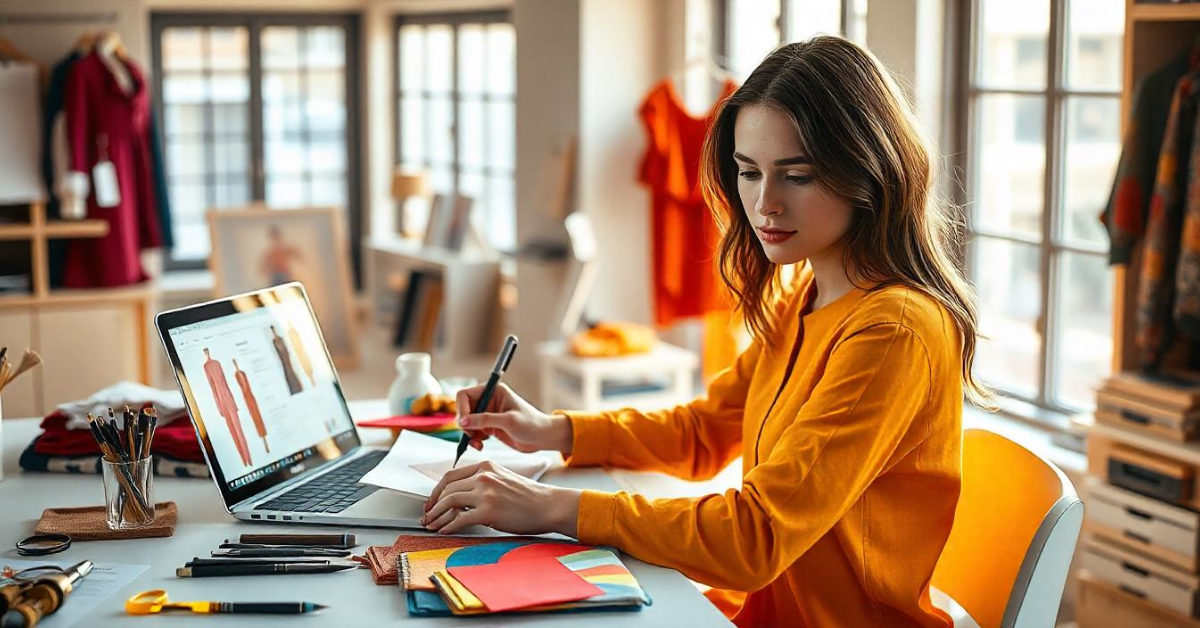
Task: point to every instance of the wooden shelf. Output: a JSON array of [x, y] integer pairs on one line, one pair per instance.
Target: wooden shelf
[[73, 297], [57, 229], [76, 229], [1186, 452], [1146, 12]]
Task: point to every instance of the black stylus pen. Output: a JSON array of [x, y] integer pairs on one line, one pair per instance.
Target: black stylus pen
[[208, 571], [502, 360]]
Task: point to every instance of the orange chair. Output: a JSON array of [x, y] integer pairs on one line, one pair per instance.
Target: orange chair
[[1013, 538]]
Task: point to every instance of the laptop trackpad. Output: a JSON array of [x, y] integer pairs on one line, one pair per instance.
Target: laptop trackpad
[[385, 504]]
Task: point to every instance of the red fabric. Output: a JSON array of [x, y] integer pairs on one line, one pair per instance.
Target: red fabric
[[684, 234], [176, 440], [96, 107]]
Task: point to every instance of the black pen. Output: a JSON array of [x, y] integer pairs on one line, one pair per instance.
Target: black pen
[[260, 561], [270, 608], [282, 552], [502, 360], [211, 571]]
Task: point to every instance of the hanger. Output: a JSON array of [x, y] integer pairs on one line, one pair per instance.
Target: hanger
[[111, 41], [85, 43], [9, 52], [714, 70]]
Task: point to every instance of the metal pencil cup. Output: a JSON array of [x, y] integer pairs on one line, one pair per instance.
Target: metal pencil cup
[[129, 493]]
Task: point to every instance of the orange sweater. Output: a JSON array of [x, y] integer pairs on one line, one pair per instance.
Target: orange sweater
[[852, 467]]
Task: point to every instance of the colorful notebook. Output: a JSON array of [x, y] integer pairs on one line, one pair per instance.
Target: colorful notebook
[[433, 590]]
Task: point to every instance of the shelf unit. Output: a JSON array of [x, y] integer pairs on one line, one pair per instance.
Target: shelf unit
[[107, 329], [1155, 34], [470, 280]]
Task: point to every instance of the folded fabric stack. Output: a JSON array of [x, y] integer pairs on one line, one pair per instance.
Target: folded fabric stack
[[441, 425], [66, 445], [516, 574], [613, 339]]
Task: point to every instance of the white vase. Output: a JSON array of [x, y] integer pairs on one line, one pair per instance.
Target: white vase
[[413, 379]]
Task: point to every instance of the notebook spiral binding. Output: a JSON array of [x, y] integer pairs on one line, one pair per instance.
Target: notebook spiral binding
[[405, 573]]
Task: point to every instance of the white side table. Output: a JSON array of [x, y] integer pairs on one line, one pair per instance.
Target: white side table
[[595, 384]]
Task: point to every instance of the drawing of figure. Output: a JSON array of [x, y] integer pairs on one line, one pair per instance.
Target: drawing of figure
[[226, 405], [251, 403], [276, 263], [301, 353], [285, 360]]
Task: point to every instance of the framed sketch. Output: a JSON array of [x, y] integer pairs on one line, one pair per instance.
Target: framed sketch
[[256, 247]]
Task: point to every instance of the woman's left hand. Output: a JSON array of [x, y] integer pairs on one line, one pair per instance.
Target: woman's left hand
[[491, 495]]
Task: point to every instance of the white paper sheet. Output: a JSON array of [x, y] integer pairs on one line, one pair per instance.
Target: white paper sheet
[[417, 462], [104, 581]]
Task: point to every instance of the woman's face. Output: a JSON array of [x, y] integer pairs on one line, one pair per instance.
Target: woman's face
[[794, 217]]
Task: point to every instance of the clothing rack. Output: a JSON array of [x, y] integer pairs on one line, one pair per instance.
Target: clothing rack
[[98, 17]]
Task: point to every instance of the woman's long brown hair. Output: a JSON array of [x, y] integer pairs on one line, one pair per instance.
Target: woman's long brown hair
[[856, 127]]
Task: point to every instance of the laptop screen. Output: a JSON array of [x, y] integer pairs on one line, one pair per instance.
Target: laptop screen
[[260, 388]]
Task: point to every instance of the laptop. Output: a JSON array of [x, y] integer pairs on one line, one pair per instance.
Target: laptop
[[267, 406]]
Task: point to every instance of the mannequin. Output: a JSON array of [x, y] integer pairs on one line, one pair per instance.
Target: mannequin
[[112, 54]]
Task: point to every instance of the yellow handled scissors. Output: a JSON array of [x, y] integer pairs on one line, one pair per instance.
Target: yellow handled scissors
[[155, 601]]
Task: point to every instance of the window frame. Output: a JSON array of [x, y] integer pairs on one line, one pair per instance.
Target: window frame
[[454, 20], [255, 23], [1053, 241], [720, 20]]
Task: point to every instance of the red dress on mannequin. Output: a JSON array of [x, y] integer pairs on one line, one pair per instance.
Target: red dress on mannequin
[[102, 120]]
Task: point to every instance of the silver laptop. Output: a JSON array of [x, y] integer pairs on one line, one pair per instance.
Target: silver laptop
[[269, 411]]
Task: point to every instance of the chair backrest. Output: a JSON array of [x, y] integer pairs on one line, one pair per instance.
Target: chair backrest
[[1014, 534]]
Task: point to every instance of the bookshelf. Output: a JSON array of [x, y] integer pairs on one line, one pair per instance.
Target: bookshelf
[[469, 289], [1155, 34], [109, 327]]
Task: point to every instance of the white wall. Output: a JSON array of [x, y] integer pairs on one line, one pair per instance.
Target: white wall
[[908, 36], [548, 106], [622, 56], [49, 41]]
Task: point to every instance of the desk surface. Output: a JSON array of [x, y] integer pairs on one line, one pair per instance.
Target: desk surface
[[353, 598]]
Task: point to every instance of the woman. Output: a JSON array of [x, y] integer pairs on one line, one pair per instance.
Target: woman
[[846, 409]]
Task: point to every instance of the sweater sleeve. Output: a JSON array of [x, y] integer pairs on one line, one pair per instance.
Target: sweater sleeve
[[694, 441], [842, 439]]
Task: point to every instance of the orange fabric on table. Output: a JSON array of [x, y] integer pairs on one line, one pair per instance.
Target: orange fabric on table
[[849, 427], [684, 235]]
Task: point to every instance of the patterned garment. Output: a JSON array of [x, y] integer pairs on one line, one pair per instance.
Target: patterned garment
[[1187, 273], [1125, 214], [1175, 188]]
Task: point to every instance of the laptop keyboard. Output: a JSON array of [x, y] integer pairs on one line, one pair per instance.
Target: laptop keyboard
[[331, 493]]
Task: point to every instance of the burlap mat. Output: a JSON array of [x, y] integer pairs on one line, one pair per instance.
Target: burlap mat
[[88, 524]]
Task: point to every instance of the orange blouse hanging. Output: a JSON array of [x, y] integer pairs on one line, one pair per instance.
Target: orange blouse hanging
[[684, 234]]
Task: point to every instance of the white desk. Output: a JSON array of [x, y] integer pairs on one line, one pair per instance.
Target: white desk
[[353, 598]]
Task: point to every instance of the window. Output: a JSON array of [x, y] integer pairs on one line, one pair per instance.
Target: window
[[753, 28], [255, 108], [1042, 134], [456, 111]]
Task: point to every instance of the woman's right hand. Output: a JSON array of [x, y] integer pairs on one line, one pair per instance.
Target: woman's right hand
[[513, 420]]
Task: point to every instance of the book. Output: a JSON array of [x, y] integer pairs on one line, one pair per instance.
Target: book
[[407, 308], [1175, 389], [429, 312]]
